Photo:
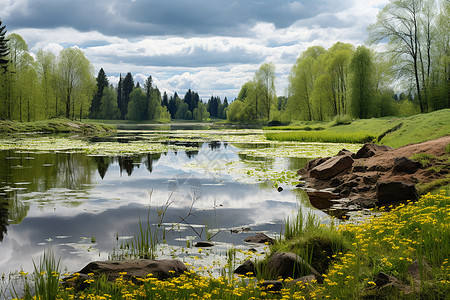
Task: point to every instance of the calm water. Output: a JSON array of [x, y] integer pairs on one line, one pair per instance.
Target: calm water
[[83, 207]]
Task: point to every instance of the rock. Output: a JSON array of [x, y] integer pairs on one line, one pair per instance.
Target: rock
[[161, 269], [204, 244], [389, 192], [304, 279], [315, 162], [406, 165], [346, 152], [247, 267], [326, 194], [259, 238], [369, 150], [419, 273], [240, 229], [383, 279], [359, 168], [286, 264], [371, 179], [301, 184], [331, 167]]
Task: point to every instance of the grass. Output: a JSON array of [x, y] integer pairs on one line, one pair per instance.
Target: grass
[[321, 136], [390, 242], [413, 129], [54, 126]]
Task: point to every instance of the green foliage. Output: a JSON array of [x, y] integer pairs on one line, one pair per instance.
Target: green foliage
[[432, 125], [362, 86], [321, 136], [418, 46], [46, 278], [53, 126], [108, 104], [420, 128], [138, 100], [102, 83], [423, 158], [341, 120]]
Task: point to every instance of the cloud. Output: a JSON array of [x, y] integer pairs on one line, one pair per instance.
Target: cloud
[[162, 17], [212, 47]]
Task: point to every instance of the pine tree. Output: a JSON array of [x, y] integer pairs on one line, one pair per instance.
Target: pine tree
[[4, 50], [165, 100], [127, 88], [120, 96], [102, 83]]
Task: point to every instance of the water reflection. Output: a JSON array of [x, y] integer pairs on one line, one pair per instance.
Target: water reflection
[[62, 199]]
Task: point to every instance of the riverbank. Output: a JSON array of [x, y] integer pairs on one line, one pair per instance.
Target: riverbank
[[377, 175], [55, 126], [400, 254], [391, 131]]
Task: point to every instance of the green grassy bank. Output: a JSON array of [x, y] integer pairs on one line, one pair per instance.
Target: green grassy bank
[[391, 131], [55, 126]]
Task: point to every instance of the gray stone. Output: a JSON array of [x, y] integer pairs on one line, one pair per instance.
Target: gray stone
[[259, 238], [247, 267], [286, 264], [161, 269]]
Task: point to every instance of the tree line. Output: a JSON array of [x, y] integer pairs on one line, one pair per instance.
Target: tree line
[[343, 80], [48, 86], [358, 83]]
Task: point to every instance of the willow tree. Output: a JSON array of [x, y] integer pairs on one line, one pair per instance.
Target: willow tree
[[410, 27], [76, 80], [301, 83], [265, 80], [362, 88], [47, 72]]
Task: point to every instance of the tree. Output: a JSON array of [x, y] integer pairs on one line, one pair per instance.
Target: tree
[[77, 81], [301, 83], [126, 89], [410, 28], [5, 76], [108, 104], [135, 106], [200, 113], [17, 47], [265, 78], [4, 49], [165, 100], [181, 111], [102, 83], [46, 68], [362, 86], [337, 60]]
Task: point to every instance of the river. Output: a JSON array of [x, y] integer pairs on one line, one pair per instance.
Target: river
[[85, 197]]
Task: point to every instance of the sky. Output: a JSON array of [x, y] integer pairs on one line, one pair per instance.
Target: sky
[[209, 46]]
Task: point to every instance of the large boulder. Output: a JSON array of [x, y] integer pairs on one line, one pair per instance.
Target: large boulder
[[161, 269], [395, 191], [331, 167], [406, 165], [247, 267], [286, 264], [369, 150], [259, 238]]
